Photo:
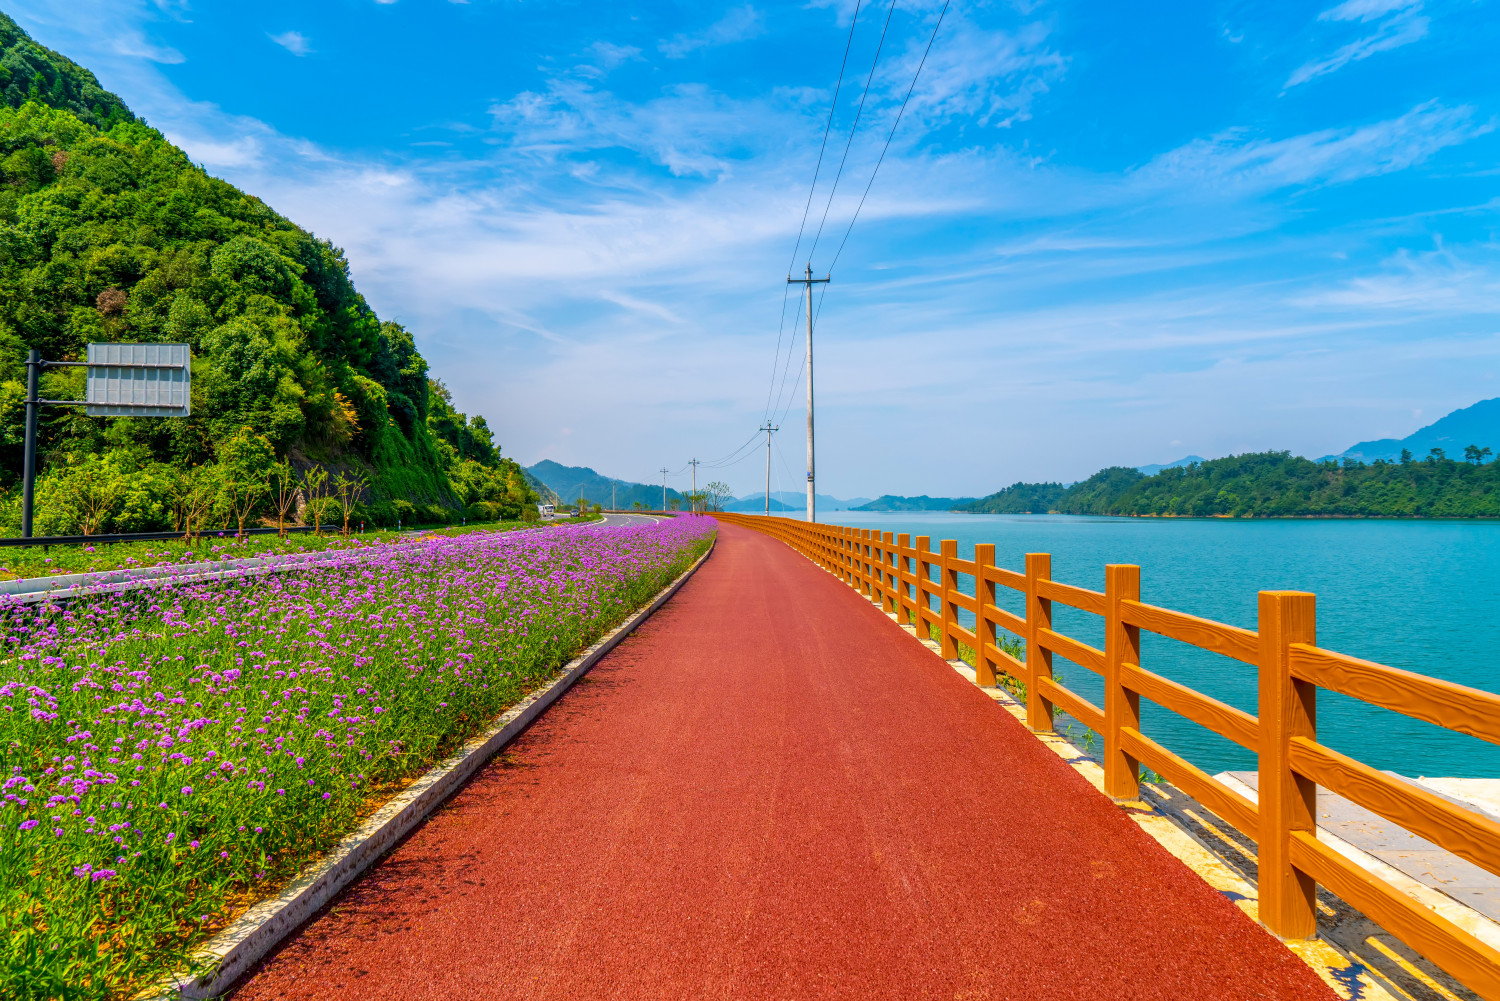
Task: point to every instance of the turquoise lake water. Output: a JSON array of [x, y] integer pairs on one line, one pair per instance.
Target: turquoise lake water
[[1420, 595]]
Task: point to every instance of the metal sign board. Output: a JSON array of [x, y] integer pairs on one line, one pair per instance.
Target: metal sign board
[[138, 380]]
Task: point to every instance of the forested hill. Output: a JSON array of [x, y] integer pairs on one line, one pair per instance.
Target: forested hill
[[1274, 484], [109, 233], [571, 483]]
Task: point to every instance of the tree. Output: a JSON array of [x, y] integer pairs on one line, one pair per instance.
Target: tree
[[283, 488], [193, 490], [245, 462], [88, 494], [314, 489], [348, 487], [1475, 454], [717, 493]]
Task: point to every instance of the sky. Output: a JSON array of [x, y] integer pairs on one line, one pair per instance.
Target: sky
[[1101, 234]]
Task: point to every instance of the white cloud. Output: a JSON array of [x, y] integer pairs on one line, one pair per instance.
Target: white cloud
[[1327, 156], [989, 76], [294, 42], [1367, 10], [738, 25], [1402, 24]]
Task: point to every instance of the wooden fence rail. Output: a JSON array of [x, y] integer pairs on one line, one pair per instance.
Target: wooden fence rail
[[920, 586]]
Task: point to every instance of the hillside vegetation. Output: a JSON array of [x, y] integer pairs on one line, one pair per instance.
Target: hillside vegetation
[[1273, 484], [109, 233]]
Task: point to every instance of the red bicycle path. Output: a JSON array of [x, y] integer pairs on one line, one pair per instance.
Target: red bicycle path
[[770, 791]]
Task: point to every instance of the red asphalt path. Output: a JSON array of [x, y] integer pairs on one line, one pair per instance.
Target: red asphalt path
[[772, 792]]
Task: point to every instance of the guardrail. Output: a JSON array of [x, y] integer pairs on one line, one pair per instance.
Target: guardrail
[[920, 586], [74, 540]]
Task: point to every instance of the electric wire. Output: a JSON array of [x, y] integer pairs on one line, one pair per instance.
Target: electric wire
[[811, 190], [858, 113], [890, 135]]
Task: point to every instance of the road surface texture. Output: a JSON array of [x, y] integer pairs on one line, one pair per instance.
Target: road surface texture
[[771, 792]]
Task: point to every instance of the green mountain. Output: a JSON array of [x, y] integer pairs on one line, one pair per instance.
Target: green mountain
[[1271, 484], [573, 482], [109, 233], [891, 502]]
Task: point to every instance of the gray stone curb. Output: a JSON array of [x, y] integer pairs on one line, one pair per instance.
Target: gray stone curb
[[234, 951]]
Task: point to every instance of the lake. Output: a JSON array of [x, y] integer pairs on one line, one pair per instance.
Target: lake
[[1420, 595]]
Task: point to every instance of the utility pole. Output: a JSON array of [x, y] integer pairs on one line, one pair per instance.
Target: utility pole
[[808, 283], [693, 501], [614, 500], [663, 488], [769, 430]]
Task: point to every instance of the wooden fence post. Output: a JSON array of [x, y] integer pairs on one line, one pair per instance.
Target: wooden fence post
[[921, 545], [865, 570], [1287, 801], [948, 581], [903, 590], [1038, 659], [984, 629], [1122, 707], [888, 588]]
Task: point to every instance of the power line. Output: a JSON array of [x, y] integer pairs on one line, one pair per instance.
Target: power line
[[869, 79], [827, 128], [811, 190], [890, 135]]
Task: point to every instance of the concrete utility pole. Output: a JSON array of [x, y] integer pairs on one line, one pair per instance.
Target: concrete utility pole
[[614, 499], [663, 488], [808, 283], [693, 502], [769, 430]]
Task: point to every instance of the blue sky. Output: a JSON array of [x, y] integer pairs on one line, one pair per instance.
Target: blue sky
[[1104, 234]]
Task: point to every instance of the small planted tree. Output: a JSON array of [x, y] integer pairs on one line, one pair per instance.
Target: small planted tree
[[283, 490], [717, 493], [89, 494], [348, 488], [193, 491], [244, 462], [314, 489]]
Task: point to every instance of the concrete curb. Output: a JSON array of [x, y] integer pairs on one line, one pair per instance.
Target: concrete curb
[[234, 951]]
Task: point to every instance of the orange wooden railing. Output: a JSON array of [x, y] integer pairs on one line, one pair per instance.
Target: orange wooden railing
[[897, 573]]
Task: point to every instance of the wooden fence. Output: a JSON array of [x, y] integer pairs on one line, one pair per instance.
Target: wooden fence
[[920, 586]]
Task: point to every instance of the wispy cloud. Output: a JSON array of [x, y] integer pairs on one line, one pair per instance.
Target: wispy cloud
[[1232, 159], [986, 76], [1400, 22], [293, 41], [738, 25]]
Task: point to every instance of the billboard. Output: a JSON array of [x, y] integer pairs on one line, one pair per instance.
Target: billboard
[[138, 380]]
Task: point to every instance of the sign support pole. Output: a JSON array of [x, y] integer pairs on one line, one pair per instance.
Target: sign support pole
[[28, 471]]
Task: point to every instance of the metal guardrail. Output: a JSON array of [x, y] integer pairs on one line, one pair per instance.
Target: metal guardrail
[[75, 540]]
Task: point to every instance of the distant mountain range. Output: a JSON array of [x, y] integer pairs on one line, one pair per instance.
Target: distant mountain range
[[1155, 468], [572, 482], [1477, 425]]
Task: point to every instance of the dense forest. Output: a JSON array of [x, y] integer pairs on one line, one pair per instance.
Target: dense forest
[[1274, 485], [110, 233]]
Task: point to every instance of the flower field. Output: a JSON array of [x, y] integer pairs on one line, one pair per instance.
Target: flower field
[[173, 753]]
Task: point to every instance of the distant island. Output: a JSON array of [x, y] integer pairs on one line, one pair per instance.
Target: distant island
[[891, 502], [1443, 470], [1273, 485]]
